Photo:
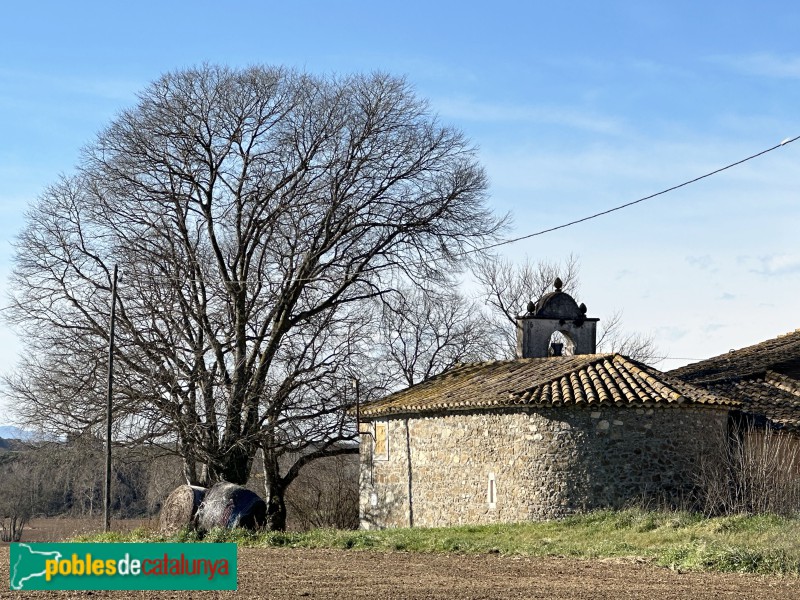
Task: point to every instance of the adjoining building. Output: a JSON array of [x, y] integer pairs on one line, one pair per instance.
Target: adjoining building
[[763, 378], [557, 431]]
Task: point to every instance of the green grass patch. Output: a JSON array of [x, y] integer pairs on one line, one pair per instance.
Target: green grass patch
[[764, 544]]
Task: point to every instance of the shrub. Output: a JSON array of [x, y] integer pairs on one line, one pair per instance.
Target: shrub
[[757, 472]]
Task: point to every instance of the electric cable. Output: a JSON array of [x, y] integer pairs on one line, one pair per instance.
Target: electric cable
[[627, 204]]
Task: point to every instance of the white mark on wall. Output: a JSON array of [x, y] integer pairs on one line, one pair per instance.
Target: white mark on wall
[[491, 492]]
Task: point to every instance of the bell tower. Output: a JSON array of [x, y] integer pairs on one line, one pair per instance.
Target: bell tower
[[555, 312]]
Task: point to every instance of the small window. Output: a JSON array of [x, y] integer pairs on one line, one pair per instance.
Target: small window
[[491, 492], [381, 440]]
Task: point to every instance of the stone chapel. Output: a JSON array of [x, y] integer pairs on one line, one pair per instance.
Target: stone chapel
[[558, 430]]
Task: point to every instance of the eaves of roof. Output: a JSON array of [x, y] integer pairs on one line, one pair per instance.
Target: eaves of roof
[[780, 354], [773, 396], [583, 380]]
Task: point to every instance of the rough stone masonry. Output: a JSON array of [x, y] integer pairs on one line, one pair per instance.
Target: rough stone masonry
[[532, 463]]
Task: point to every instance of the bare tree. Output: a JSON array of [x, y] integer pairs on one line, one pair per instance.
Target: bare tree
[[425, 331], [17, 496], [636, 345], [252, 213], [508, 287], [326, 495], [753, 470], [66, 478]]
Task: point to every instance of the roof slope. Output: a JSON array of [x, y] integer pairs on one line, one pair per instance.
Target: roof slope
[[772, 395], [588, 379], [781, 354], [764, 378]]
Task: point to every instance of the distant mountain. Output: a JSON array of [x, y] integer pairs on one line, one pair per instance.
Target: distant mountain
[[10, 432]]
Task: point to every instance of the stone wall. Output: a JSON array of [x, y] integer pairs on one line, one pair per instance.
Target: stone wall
[[545, 462]]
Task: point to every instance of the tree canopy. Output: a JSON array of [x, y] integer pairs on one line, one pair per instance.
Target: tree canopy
[[252, 213]]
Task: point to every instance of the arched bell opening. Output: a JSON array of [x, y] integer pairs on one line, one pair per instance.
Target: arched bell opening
[[561, 344]]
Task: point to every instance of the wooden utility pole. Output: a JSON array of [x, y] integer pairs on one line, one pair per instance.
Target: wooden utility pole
[[109, 394]]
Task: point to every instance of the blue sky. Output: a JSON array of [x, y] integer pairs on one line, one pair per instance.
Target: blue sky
[[575, 108]]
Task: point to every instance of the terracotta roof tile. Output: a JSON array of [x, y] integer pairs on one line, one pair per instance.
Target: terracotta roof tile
[[593, 379], [773, 396], [780, 354], [763, 378]]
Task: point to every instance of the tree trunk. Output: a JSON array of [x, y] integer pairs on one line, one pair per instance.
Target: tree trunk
[[276, 509], [190, 471], [235, 466], [275, 489]]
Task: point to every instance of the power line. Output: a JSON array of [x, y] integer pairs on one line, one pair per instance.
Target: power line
[[506, 242], [627, 204]]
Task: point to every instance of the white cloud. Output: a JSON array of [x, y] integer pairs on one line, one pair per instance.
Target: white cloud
[[712, 327], [493, 112], [670, 334], [704, 262], [108, 88], [624, 274], [762, 64], [433, 70], [775, 264]]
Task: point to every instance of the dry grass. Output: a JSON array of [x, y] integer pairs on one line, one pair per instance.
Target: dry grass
[[63, 529]]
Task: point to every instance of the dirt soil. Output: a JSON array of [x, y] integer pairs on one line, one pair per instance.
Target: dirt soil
[[335, 574]]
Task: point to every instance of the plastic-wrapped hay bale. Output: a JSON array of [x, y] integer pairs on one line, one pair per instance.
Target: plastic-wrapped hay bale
[[229, 505], [180, 508]]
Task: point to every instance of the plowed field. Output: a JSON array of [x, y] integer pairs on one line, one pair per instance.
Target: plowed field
[[341, 575]]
